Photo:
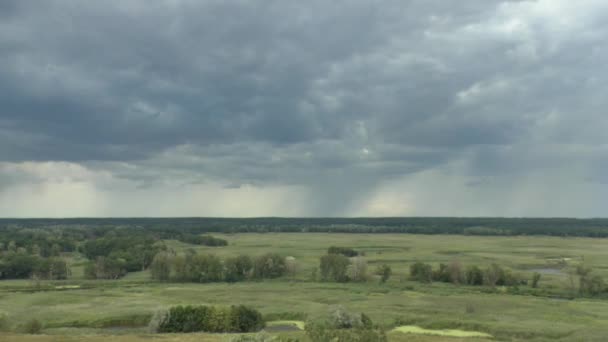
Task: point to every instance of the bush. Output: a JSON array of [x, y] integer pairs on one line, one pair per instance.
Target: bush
[[535, 279], [348, 252], [32, 326], [183, 319], [473, 276], [421, 272], [205, 240], [4, 323], [157, 320], [384, 271], [345, 327], [245, 319]]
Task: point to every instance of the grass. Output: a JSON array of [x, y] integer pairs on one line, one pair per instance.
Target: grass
[[79, 309]]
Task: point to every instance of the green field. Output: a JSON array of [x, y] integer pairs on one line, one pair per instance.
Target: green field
[[115, 310]]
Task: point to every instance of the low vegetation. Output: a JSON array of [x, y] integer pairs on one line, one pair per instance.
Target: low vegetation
[[414, 287]]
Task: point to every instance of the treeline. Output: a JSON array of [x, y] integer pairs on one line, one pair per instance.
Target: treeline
[[172, 228], [585, 281], [456, 273], [207, 268], [186, 319]]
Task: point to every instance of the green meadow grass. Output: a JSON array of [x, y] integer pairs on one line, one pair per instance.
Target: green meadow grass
[[79, 309]]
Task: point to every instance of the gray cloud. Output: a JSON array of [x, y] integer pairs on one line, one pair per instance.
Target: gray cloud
[[337, 98]]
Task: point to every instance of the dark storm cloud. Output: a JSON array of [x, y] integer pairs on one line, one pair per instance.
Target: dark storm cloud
[[292, 92]]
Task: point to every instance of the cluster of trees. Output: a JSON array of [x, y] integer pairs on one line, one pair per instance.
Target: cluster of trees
[[205, 268], [172, 228], [22, 266], [185, 319], [589, 282], [493, 275], [339, 268], [41, 242], [134, 253]]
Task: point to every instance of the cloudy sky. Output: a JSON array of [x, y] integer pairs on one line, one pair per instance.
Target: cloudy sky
[[303, 108]]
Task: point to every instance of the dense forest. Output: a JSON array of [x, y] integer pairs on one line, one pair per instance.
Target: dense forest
[[183, 228]]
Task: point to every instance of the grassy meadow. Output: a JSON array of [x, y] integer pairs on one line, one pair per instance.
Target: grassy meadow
[[86, 310]]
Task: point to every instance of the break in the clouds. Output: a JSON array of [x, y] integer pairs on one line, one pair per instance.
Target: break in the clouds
[[314, 108]]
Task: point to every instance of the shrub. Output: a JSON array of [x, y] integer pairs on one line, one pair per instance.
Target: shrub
[[343, 329], [348, 252], [4, 323], [182, 319], [535, 279], [33, 326], [384, 271], [157, 320], [245, 319], [473, 276]]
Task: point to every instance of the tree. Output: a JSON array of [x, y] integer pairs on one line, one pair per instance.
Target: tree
[[421, 272], [455, 274], [237, 268], [59, 269], [208, 268], [334, 267], [473, 276], [492, 275], [55, 250], [160, 269], [270, 265], [589, 283], [384, 271], [358, 269]]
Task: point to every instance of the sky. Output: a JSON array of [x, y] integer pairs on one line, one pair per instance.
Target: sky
[[303, 108]]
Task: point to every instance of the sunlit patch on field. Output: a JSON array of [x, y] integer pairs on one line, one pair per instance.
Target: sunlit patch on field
[[285, 325], [412, 329]]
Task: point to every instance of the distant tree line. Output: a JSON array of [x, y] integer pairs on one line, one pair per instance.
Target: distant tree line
[[207, 268], [172, 228]]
